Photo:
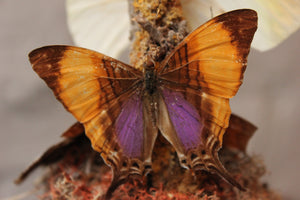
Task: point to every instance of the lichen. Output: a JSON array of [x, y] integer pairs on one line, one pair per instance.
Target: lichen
[[161, 16], [83, 175]]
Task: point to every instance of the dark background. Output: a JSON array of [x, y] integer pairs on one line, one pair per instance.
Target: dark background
[[31, 119]]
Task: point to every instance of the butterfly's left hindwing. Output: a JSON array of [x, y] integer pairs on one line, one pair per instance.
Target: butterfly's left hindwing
[[201, 74]]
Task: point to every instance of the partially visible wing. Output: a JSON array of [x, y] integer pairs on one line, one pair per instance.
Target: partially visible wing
[[203, 72], [55, 153], [100, 92], [90, 23], [277, 19], [198, 12], [74, 131], [238, 133]]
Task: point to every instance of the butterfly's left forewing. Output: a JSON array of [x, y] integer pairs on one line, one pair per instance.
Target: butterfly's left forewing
[[197, 80], [83, 80]]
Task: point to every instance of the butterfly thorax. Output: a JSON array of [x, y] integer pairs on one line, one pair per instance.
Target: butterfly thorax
[[150, 80]]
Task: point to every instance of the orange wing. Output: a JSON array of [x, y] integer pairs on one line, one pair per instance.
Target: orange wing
[[90, 85], [207, 69], [213, 57]]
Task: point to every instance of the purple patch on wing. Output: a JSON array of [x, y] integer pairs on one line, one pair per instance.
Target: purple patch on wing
[[129, 127], [185, 118]]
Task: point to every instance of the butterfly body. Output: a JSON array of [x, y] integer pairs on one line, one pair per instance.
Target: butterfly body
[[185, 97], [150, 81]]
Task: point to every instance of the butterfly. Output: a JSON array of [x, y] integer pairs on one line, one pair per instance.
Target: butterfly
[[185, 98]]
